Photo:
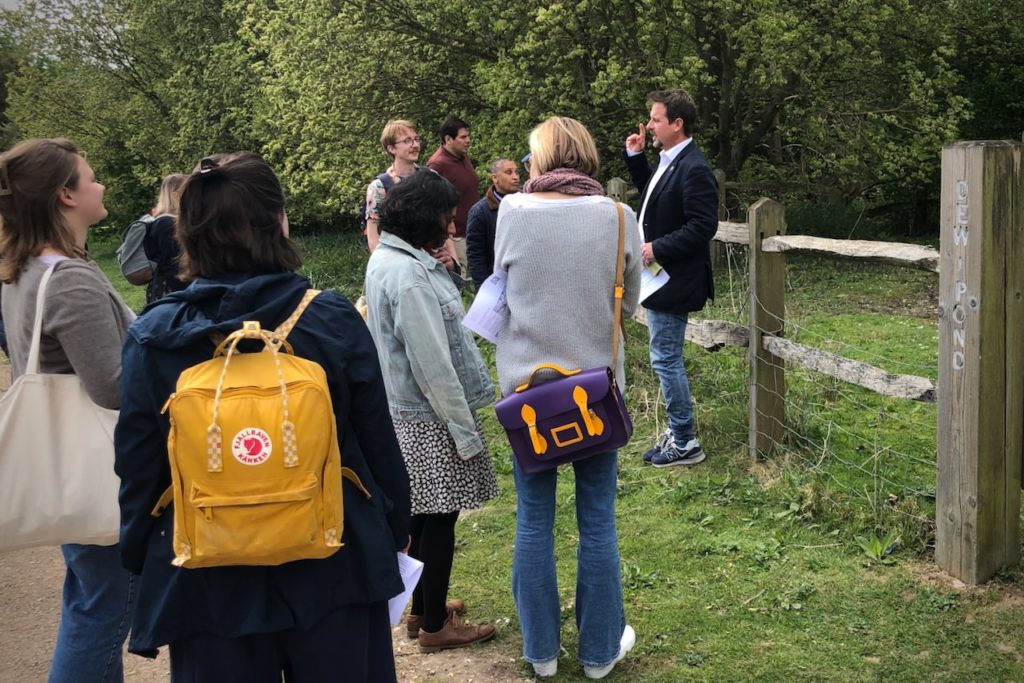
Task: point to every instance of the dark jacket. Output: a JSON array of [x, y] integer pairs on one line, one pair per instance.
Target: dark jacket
[[162, 249], [480, 228], [174, 334], [680, 220]]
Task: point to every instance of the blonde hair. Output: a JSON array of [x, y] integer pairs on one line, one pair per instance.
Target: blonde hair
[[562, 142], [170, 193], [32, 174], [394, 128]]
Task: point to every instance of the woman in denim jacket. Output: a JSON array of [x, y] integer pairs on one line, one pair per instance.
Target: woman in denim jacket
[[435, 380]]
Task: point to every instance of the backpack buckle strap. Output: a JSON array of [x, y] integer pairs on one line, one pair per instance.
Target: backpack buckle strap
[[348, 473], [166, 498], [291, 448], [214, 459]]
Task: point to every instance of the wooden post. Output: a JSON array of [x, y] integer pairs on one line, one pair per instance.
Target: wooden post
[[981, 359], [718, 249], [767, 218], [617, 189]]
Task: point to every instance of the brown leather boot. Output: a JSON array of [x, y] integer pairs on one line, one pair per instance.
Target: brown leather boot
[[454, 634], [414, 622]]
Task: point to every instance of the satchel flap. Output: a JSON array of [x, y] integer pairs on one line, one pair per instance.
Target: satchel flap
[[554, 398]]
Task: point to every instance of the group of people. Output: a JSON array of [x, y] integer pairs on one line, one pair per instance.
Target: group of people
[[406, 387]]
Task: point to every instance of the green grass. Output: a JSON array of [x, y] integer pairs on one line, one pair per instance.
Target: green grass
[[741, 571]]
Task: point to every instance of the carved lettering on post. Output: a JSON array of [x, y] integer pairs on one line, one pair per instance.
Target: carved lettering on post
[[961, 218]]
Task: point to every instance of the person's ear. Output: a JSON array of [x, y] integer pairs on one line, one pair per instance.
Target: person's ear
[[65, 198]]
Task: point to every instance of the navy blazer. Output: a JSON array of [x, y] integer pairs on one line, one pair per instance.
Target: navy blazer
[[173, 334], [680, 220]]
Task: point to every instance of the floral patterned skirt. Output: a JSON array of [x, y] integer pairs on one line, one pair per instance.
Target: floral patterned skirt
[[441, 481]]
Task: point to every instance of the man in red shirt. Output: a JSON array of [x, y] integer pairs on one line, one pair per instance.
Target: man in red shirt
[[451, 160]]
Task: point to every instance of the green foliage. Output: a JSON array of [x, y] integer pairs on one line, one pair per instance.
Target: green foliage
[[879, 549], [828, 100]]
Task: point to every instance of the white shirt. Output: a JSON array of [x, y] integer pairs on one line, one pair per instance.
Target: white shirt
[[666, 157]]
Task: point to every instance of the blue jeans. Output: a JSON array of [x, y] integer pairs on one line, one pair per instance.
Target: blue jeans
[[667, 332], [95, 616], [600, 615]]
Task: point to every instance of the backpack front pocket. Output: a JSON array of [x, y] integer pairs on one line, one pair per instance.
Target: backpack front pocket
[[260, 524]]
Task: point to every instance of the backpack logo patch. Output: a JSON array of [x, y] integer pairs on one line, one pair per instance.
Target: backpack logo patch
[[251, 446]]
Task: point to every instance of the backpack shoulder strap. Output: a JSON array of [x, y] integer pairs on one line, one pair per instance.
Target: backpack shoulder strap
[[386, 180], [284, 328]]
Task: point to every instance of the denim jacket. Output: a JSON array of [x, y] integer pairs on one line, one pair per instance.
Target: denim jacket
[[432, 368]]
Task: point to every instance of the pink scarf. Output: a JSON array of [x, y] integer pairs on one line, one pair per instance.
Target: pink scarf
[[566, 181]]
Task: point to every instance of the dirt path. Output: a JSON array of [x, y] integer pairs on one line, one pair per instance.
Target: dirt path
[[30, 587]]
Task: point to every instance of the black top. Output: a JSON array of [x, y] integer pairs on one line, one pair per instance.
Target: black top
[[162, 248]]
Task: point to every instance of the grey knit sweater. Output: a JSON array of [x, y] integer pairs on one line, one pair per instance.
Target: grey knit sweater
[[84, 326], [559, 255]]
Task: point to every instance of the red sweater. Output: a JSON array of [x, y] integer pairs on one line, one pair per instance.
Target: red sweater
[[459, 173]]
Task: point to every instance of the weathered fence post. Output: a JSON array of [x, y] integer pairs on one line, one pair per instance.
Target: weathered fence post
[[766, 218], [981, 359]]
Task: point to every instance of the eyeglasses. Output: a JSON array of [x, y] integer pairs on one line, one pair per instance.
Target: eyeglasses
[[526, 160], [409, 141]]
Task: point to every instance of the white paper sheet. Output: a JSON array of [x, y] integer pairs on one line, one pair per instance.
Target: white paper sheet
[[488, 315], [410, 569], [650, 283]]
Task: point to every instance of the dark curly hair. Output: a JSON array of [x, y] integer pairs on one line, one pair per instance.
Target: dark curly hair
[[419, 208]]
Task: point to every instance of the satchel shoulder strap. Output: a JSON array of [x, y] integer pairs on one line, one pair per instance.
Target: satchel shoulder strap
[[619, 289]]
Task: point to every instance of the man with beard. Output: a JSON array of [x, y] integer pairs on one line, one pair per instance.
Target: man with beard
[[451, 160], [678, 217]]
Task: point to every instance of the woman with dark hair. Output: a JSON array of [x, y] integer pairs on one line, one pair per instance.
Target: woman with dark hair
[[435, 381], [557, 241], [311, 619], [49, 197]]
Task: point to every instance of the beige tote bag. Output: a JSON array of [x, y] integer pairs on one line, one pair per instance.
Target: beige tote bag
[[57, 481]]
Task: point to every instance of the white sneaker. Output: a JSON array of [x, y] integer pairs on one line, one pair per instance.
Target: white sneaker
[[625, 645], [546, 669]]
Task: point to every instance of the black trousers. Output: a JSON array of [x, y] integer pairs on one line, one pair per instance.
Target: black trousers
[[350, 645]]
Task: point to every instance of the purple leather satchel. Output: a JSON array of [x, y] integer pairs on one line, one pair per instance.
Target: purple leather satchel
[[572, 417]]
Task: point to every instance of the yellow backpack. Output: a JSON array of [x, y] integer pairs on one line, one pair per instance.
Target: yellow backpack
[[255, 464]]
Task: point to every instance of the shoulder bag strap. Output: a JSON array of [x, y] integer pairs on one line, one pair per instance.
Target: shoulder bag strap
[[32, 366], [619, 290]]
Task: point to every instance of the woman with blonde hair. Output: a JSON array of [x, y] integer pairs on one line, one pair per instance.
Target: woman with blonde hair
[[557, 241], [49, 196], [160, 244]]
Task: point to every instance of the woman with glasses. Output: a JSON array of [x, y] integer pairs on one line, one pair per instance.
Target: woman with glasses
[[49, 197], [557, 241], [314, 620], [435, 380]]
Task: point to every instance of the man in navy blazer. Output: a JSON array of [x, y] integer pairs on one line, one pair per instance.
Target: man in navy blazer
[[678, 217]]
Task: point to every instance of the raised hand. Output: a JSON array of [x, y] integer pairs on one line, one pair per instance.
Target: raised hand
[[638, 140]]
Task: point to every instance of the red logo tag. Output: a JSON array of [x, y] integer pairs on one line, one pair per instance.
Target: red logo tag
[[251, 446]]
